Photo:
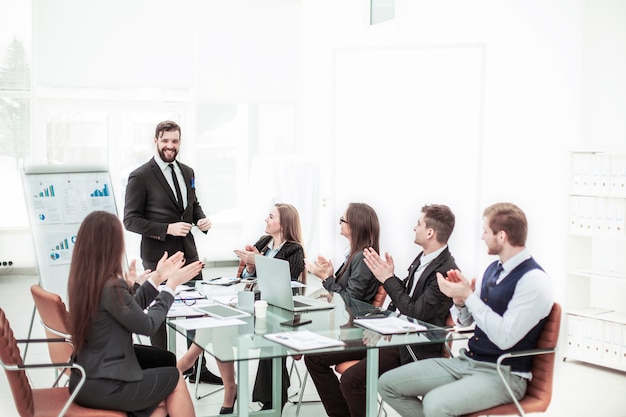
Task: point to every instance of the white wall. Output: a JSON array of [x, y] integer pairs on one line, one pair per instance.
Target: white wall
[[553, 82], [532, 98]]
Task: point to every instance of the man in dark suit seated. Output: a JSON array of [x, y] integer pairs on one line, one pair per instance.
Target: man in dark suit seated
[[509, 308], [417, 296], [161, 206]]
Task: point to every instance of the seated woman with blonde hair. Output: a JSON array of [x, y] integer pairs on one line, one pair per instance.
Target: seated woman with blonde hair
[[282, 240]]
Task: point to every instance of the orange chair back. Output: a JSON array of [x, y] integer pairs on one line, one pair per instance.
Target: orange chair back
[[539, 391], [240, 268], [55, 317], [10, 355], [379, 298], [43, 402]]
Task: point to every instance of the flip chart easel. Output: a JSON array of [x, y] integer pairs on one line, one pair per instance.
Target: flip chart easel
[[57, 199]]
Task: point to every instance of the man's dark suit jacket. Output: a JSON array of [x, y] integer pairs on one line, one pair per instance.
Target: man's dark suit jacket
[[151, 205], [428, 303]]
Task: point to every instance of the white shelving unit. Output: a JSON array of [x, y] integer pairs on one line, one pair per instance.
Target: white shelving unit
[[595, 293]]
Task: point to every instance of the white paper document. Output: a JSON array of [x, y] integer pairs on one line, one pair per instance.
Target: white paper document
[[189, 295], [303, 340], [185, 308], [227, 300], [207, 322], [389, 325], [226, 281]]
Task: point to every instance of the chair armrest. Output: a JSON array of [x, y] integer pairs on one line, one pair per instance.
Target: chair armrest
[[48, 340], [521, 353], [446, 343], [55, 332], [67, 365]]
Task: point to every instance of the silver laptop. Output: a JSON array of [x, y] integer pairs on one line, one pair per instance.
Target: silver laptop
[[274, 281]]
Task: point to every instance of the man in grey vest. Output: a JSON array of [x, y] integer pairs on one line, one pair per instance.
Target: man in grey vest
[[509, 308]]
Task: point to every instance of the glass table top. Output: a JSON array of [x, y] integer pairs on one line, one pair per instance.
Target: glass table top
[[247, 341]]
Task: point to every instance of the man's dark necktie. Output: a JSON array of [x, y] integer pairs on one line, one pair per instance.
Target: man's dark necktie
[[411, 279], [179, 195], [493, 278], [408, 285]]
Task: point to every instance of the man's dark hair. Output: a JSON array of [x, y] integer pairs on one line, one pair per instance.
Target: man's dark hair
[[441, 219], [166, 126]]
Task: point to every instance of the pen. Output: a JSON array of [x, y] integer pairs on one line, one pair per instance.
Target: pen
[[214, 279]]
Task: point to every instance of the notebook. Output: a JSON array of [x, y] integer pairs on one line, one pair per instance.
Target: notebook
[[274, 281]]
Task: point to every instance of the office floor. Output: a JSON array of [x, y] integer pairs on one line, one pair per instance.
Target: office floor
[[580, 390]]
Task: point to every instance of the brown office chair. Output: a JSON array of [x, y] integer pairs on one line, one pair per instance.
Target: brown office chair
[[55, 320], [539, 391], [41, 402]]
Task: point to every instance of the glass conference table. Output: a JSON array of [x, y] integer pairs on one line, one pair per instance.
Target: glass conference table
[[246, 342]]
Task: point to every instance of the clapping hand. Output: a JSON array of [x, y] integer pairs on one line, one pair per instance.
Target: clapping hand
[[321, 268], [247, 256], [131, 276], [171, 268], [455, 285], [381, 268]]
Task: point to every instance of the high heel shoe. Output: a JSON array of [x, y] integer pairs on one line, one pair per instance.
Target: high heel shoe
[[229, 410]]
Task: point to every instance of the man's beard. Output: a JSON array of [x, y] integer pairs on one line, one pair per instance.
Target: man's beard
[[162, 155]]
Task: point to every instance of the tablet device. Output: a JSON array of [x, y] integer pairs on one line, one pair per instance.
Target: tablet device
[[295, 322], [221, 311]]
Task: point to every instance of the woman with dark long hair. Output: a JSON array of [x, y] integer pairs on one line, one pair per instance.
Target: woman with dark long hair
[[104, 314], [360, 226]]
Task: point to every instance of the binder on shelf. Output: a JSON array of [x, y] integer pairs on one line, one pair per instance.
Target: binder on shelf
[[588, 336], [615, 217], [600, 174], [607, 342], [572, 345], [578, 173], [599, 221], [598, 337], [575, 218], [585, 337], [587, 214], [614, 324], [618, 176], [615, 349]]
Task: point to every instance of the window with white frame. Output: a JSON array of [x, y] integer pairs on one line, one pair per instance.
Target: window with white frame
[[15, 103], [96, 95]]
